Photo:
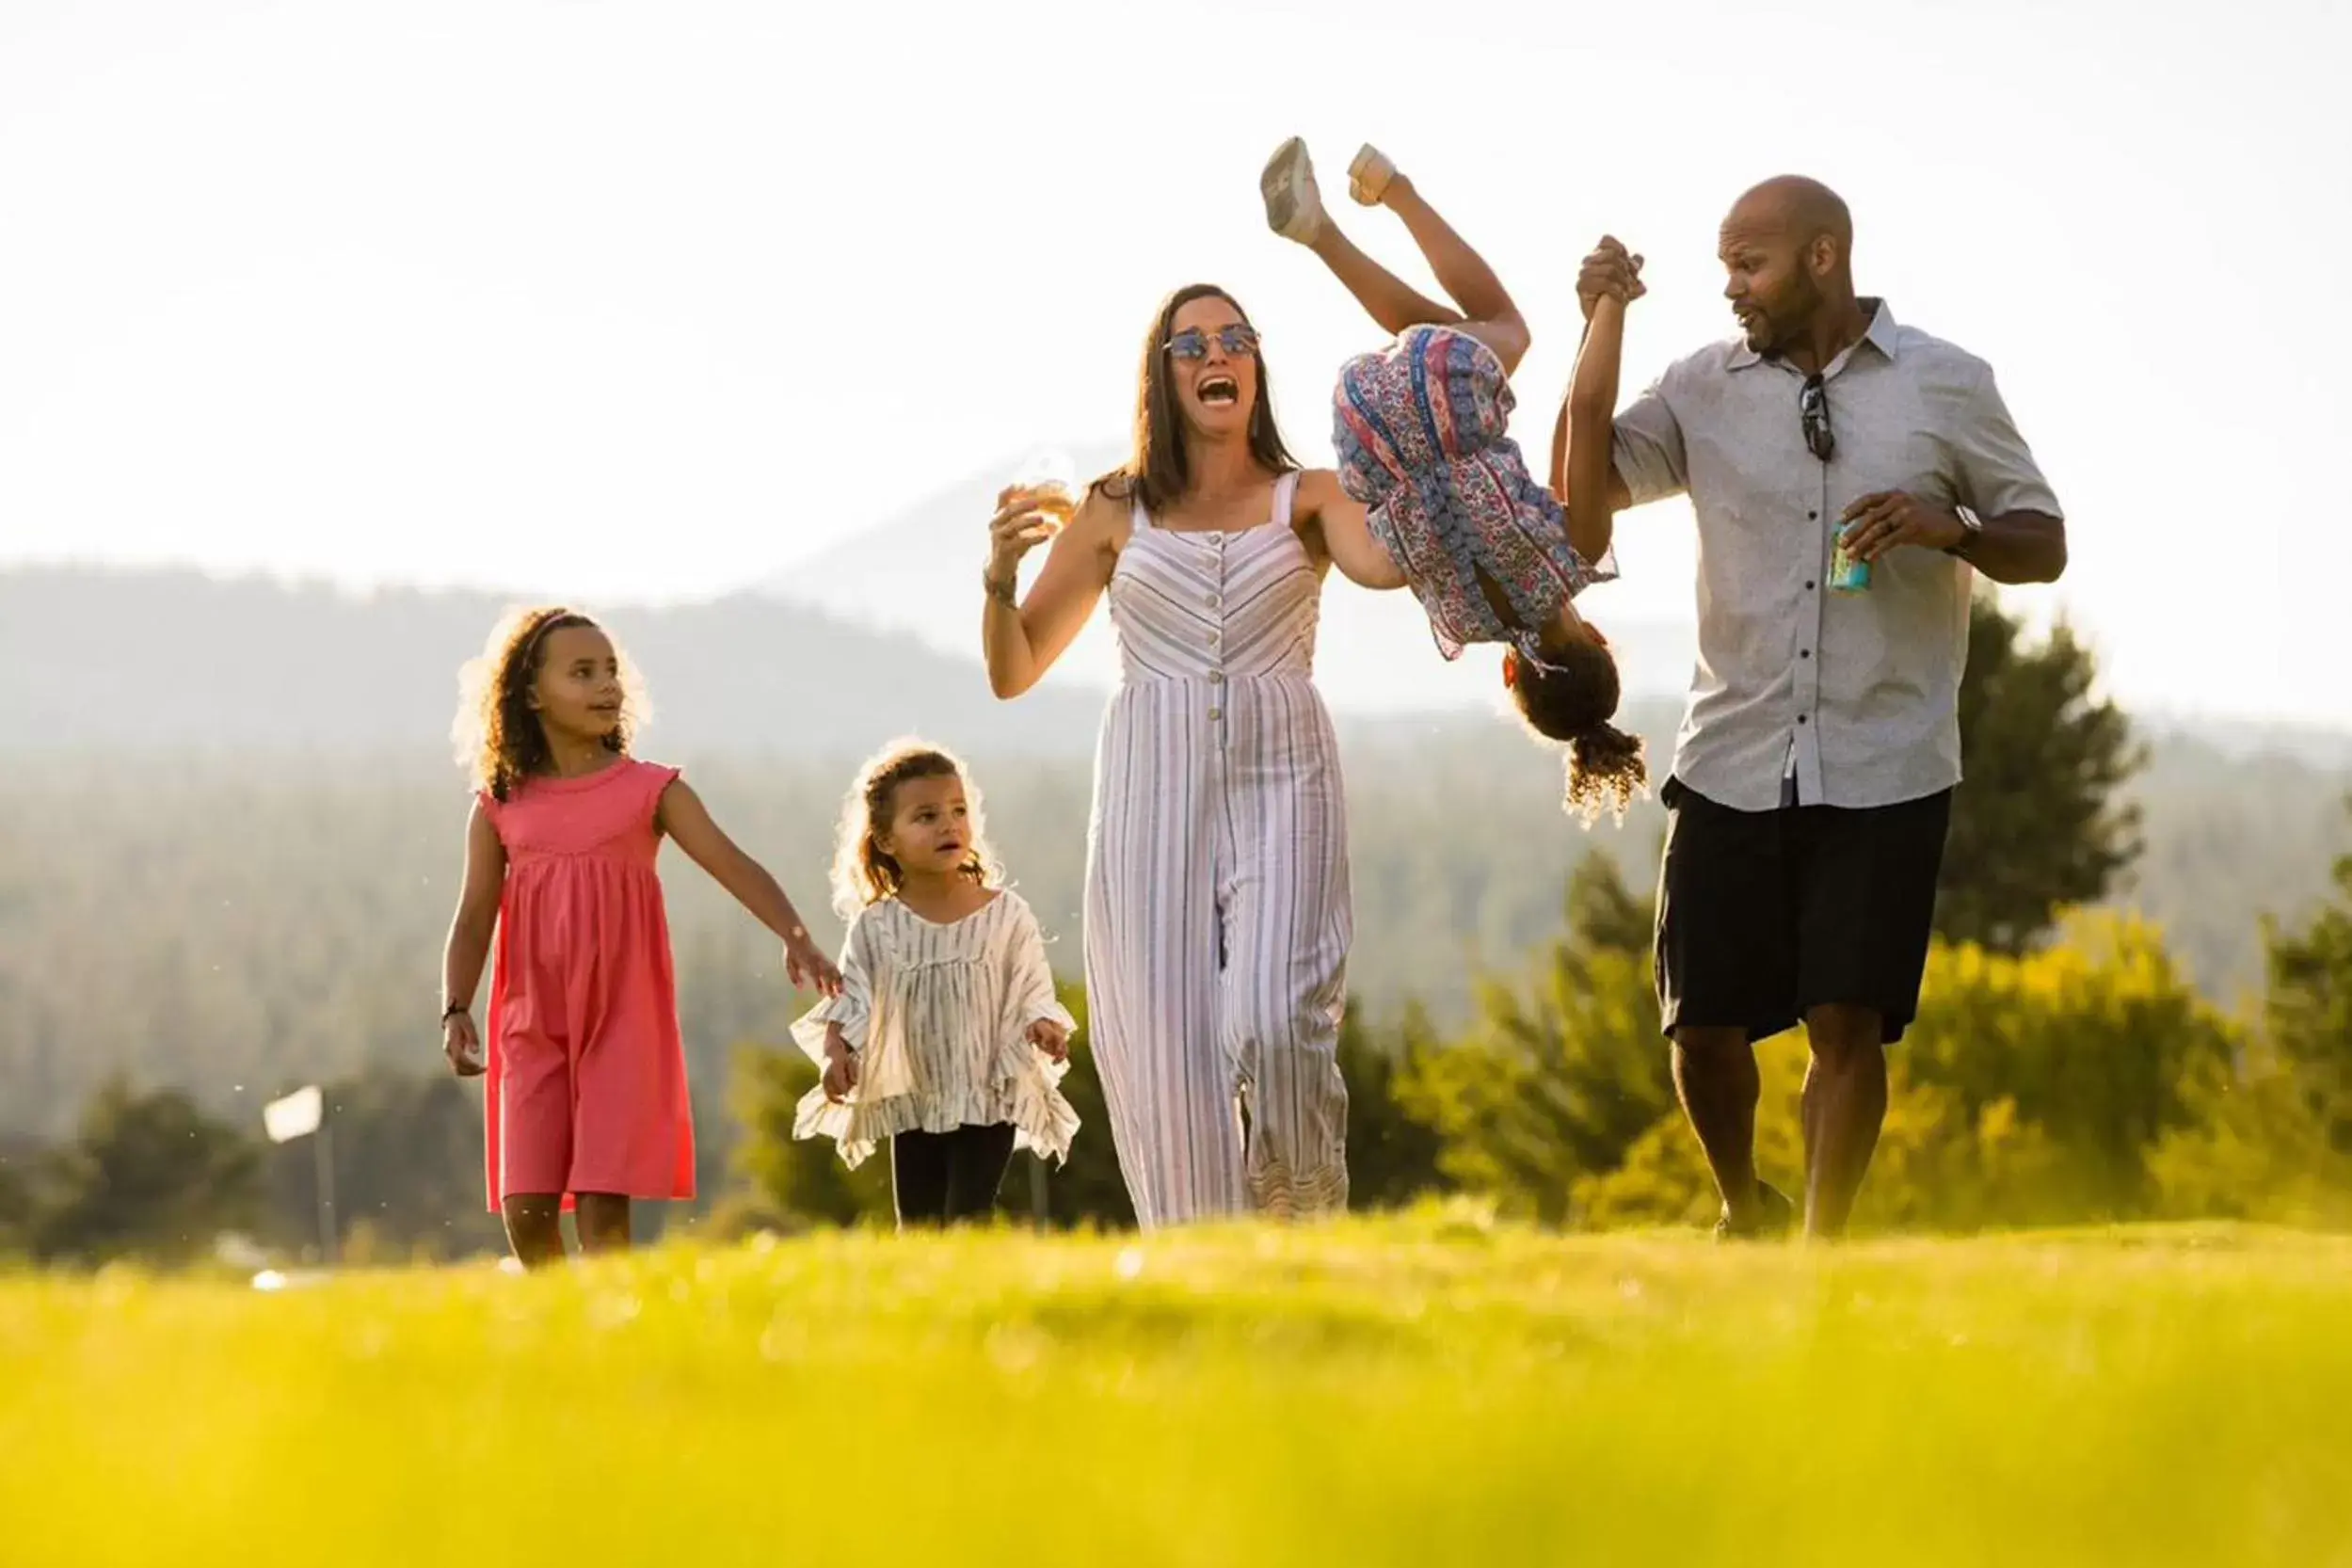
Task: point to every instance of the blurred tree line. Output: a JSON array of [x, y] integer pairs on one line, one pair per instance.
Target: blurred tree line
[[2064, 1067], [229, 926]]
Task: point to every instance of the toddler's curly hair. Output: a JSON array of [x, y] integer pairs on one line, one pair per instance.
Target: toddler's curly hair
[[1573, 705]]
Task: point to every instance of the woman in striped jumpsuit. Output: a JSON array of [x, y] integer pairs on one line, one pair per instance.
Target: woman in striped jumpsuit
[[1217, 910]]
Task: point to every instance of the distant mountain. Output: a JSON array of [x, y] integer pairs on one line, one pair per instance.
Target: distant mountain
[[2233, 741], [181, 661], [918, 574], [99, 659]]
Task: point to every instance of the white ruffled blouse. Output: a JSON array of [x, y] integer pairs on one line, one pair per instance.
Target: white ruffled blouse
[[939, 1015]]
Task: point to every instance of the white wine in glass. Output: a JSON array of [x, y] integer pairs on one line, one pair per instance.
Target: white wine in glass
[[1051, 480]]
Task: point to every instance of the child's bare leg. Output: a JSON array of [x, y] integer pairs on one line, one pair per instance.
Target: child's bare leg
[[1386, 298], [1295, 210], [603, 1221], [534, 1227], [1462, 272]]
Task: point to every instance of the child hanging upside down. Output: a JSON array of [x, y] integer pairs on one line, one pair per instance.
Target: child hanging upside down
[[1419, 430]]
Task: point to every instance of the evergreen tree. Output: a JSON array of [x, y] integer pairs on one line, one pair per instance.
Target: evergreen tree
[[1556, 1078], [2038, 826], [2308, 1010], [150, 1175]]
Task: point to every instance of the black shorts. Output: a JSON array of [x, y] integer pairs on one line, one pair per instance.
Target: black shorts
[[1763, 916]]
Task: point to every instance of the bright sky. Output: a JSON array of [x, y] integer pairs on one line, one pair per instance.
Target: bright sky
[[636, 298]]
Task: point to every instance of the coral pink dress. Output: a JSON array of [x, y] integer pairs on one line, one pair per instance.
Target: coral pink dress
[[586, 1086]]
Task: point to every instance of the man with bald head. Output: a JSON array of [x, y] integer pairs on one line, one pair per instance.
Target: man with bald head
[[1813, 777]]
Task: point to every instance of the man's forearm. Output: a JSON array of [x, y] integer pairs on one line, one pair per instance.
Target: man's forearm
[[2019, 547]]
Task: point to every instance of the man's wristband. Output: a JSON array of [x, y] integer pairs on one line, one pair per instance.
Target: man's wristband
[[1971, 530], [454, 1008]]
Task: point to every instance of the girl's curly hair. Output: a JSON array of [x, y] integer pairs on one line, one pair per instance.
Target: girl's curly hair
[[497, 733], [1572, 705], [864, 876]]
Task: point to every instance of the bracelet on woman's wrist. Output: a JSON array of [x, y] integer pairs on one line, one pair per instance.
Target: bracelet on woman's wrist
[[1001, 591]]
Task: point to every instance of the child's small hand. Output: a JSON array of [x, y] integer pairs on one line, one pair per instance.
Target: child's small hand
[[807, 967], [462, 1044], [1048, 1035], [841, 1074]]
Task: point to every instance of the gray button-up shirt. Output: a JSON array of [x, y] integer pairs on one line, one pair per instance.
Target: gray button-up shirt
[[1862, 691]]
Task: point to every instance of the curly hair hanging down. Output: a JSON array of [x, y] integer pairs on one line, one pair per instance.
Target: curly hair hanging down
[[497, 733], [1573, 705], [862, 873]]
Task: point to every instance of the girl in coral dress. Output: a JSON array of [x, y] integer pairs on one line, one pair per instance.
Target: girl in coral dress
[[585, 1105]]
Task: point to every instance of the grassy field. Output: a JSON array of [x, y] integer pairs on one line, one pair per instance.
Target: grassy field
[[1425, 1390]]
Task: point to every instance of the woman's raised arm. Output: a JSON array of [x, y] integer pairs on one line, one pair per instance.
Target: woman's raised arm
[[1341, 522], [1021, 638]]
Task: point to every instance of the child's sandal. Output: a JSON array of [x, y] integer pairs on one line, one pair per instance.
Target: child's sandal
[[1294, 208], [1369, 174]]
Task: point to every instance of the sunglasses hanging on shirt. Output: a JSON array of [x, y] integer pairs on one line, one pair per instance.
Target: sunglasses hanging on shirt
[[1813, 415]]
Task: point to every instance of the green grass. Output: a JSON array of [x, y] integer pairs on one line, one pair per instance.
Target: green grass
[[1418, 1391]]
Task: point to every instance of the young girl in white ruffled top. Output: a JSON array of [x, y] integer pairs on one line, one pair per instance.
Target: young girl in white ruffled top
[[947, 1037]]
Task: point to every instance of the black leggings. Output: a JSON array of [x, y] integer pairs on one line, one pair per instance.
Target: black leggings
[[940, 1178]]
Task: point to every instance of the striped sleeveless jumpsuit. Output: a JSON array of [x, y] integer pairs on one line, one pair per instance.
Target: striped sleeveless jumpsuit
[[1217, 909]]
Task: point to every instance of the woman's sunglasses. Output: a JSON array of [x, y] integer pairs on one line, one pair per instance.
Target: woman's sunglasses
[[1192, 344], [1812, 414]]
